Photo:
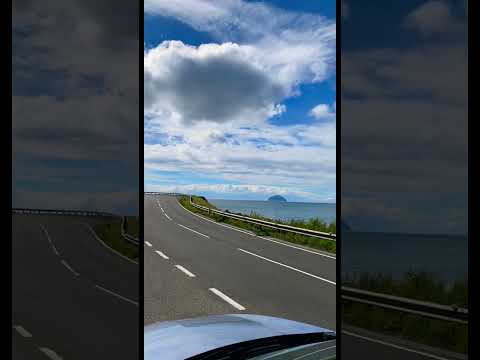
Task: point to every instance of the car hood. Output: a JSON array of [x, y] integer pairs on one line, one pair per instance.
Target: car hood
[[184, 338]]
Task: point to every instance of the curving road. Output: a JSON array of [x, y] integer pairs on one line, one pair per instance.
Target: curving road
[[73, 298], [194, 267]]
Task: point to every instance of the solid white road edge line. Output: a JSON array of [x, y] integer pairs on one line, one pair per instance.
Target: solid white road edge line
[[50, 353], [181, 268], [196, 232], [117, 295], [298, 248], [289, 267], [108, 247], [394, 345], [168, 217], [49, 239], [215, 222], [162, 254], [227, 299], [22, 331], [315, 352], [261, 237], [69, 267]]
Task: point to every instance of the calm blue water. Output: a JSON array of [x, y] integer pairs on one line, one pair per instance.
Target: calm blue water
[[279, 210], [446, 256]]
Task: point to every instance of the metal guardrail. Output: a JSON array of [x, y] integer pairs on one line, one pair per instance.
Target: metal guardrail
[[269, 224], [61, 212], [164, 193], [128, 237], [418, 307]]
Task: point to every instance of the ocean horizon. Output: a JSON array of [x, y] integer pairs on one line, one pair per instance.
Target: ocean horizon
[[280, 210]]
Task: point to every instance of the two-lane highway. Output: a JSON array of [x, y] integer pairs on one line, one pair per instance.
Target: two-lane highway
[[195, 267], [73, 298]]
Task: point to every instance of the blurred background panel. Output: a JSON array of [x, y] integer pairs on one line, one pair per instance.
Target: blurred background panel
[[75, 179], [404, 178]]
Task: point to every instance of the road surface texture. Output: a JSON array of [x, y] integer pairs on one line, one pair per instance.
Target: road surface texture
[[362, 344], [194, 267], [73, 298]]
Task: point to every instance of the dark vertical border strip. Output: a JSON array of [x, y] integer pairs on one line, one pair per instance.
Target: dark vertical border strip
[[472, 199], [338, 189], [7, 176], [141, 189]]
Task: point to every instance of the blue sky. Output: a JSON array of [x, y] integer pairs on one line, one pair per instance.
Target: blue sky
[[240, 98]]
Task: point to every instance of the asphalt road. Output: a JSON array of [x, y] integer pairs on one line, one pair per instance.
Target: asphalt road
[[260, 276], [193, 267], [72, 297]]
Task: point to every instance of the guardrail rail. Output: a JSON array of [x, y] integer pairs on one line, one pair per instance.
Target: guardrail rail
[[424, 308], [128, 237], [61, 212], [269, 224]]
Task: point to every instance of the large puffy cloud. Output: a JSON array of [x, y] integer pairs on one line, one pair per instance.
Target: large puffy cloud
[[212, 82], [261, 56]]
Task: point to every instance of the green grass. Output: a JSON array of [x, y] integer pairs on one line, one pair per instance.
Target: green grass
[[313, 224], [111, 234], [133, 226], [422, 286]]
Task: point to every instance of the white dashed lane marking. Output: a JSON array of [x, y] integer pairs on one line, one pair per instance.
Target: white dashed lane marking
[[162, 254], [181, 268], [50, 353], [227, 299], [116, 295], [22, 331]]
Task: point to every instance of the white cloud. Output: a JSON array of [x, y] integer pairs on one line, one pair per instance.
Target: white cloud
[[246, 22], [430, 18], [233, 189], [301, 155], [211, 82], [324, 111]]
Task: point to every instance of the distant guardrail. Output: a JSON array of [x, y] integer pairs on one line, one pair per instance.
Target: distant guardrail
[[62, 212], [165, 193], [128, 237], [269, 224], [418, 307]]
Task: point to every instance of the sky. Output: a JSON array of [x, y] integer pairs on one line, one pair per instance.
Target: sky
[[404, 116], [75, 105], [240, 98]]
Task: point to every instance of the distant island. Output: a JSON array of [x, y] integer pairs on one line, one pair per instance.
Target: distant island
[[276, 198], [345, 226]]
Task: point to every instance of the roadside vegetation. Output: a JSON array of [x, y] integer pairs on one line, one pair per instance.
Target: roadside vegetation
[[313, 224], [414, 285], [111, 234], [132, 226]]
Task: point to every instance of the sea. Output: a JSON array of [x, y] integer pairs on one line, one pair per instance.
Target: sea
[[444, 256], [279, 210]]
